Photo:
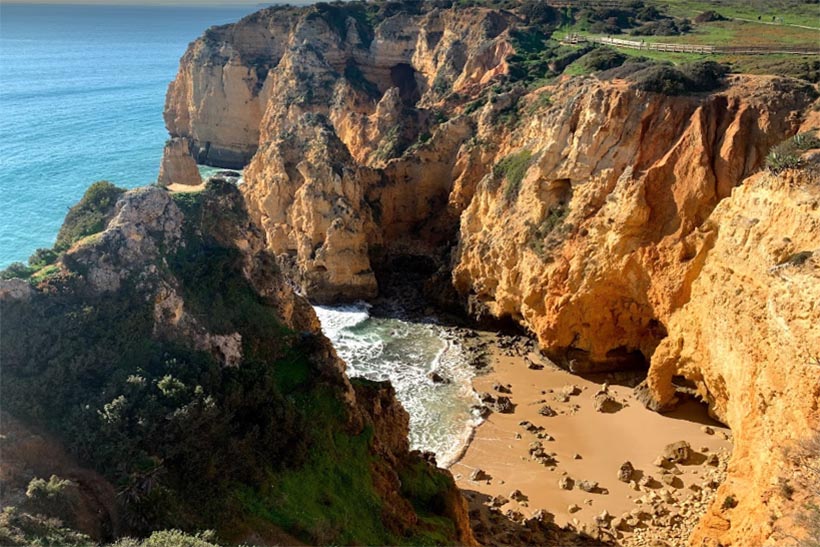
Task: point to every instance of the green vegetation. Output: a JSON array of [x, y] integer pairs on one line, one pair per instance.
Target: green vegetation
[[513, 168], [330, 497], [90, 215], [22, 528], [354, 75], [390, 145], [171, 538], [729, 502], [189, 442], [787, 154], [665, 78], [540, 235]]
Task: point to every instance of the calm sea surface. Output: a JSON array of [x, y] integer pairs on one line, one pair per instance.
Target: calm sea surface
[[82, 90]]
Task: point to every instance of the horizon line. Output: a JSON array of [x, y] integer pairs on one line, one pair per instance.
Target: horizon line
[[155, 3]]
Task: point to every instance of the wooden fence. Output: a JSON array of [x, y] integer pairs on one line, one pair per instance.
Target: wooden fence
[[691, 48]]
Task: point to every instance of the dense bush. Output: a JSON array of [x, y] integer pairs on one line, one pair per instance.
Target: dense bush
[[709, 16], [663, 27], [688, 78], [90, 215], [602, 58]]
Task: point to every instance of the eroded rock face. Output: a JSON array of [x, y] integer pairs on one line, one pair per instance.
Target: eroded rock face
[[178, 165], [331, 104], [594, 248], [590, 213], [749, 338]]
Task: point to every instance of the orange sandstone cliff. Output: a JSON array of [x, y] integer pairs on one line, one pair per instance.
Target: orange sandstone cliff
[[622, 228]]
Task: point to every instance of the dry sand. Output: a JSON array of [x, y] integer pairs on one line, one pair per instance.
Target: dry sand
[[588, 445]]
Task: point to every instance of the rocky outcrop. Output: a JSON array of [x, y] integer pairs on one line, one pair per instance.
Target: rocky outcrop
[[749, 339], [332, 97], [590, 246], [171, 357], [178, 165]]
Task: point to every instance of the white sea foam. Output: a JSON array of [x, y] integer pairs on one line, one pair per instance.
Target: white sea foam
[[404, 352]]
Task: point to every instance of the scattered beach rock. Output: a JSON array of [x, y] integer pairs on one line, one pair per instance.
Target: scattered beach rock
[[481, 411], [576, 456], [566, 483], [588, 486], [503, 405], [603, 520], [501, 388], [625, 472], [517, 495], [437, 378], [678, 452], [546, 410], [574, 508], [646, 481], [498, 501], [708, 430], [604, 402], [479, 475]]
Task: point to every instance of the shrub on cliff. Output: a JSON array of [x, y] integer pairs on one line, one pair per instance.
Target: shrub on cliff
[[602, 58], [90, 215], [688, 78], [513, 168], [787, 154]]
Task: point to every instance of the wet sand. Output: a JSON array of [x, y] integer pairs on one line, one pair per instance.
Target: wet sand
[[588, 446]]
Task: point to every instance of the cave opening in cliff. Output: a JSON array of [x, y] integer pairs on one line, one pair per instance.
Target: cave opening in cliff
[[403, 76]]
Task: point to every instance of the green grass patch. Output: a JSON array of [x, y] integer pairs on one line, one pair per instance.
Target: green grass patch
[[513, 168], [330, 498]]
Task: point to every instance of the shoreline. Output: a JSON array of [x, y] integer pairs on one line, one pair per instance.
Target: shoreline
[[532, 463]]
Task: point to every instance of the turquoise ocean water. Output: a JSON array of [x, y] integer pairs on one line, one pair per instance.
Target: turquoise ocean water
[[82, 90]]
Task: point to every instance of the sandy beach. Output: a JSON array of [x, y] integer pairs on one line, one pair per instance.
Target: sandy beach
[[555, 453]]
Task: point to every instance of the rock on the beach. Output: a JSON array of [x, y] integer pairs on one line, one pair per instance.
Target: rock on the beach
[[574, 508], [518, 495], [625, 472], [646, 481], [606, 403], [479, 475], [678, 452], [588, 486], [437, 378], [546, 410], [566, 483], [501, 388], [503, 405]]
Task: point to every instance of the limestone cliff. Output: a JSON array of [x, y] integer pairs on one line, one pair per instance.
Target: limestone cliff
[[588, 244], [171, 358], [588, 211], [178, 165], [332, 96], [749, 339]]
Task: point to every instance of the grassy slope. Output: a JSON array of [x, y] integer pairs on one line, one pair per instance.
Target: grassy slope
[[732, 32]]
